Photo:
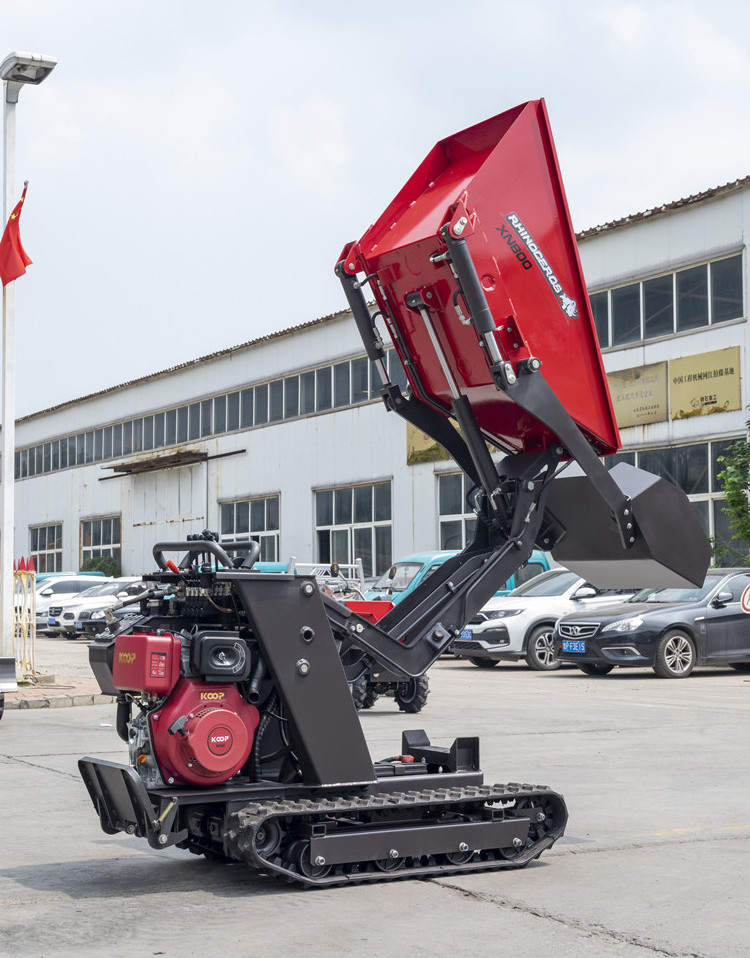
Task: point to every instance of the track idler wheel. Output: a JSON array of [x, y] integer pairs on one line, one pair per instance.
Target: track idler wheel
[[299, 854], [390, 864], [461, 857], [268, 838]]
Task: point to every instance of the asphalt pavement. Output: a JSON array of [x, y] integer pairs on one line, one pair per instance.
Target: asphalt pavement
[[655, 861]]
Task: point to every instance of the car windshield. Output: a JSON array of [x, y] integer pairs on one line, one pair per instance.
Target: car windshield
[[107, 588], [398, 578], [550, 583], [664, 596]]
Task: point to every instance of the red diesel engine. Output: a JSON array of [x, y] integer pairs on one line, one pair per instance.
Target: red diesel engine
[[201, 732]]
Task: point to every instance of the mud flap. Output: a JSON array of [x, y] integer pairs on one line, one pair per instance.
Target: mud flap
[[669, 545], [123, 804]]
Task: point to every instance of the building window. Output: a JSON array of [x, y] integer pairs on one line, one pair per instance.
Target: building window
[[291, 397], [662, 305], [46, 547], [261, 404], [626, 314], [257, 519], [726, 289], [307, 393], [276, 401], [100, 537], [360, 380], [323, 389], [233, 411], [600, 309], [342, 393], [658, 314], [457, 521], [355, 522]]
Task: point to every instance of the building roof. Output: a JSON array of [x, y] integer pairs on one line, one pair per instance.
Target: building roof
[[709, 194], [279, 334]]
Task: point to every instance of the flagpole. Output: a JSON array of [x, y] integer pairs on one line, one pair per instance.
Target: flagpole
[[8, 411], [17, 70]]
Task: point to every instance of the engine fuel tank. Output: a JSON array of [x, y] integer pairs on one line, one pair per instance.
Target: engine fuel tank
[[145, 662]]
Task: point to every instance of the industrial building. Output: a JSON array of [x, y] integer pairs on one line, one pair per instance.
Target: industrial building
[[284, 439]]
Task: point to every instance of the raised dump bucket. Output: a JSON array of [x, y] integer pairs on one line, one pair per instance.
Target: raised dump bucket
[[502, 177], [475, 271]]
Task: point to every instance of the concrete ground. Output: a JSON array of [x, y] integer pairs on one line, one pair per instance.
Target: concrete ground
[[655, 860]]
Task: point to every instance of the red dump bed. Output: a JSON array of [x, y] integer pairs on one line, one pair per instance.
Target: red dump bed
[[503, 178]]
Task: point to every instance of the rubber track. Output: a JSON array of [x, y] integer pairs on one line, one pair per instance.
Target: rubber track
[[239, 838]]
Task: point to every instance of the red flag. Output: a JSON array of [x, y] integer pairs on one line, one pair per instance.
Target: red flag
[[13, 257]]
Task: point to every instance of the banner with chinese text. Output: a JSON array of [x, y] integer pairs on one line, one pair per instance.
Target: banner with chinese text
[[639, 394], [704, 384]]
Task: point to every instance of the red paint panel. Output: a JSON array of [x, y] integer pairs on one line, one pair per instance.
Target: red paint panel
[[372, 611], [503, 175]]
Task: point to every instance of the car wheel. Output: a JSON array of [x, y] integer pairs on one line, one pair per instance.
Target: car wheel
[[411, 696], [540, 652], [593, 668], [482, 663], [740, 666], [675, 655], [2, 703], [371, 697]]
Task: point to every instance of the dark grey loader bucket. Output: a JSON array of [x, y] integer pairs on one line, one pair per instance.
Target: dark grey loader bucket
[[8, 674], [670, 548]]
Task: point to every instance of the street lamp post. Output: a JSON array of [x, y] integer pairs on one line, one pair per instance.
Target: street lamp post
[[16, 70]]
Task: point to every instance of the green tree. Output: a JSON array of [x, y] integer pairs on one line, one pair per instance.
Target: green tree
[[735, 481], [105, 564]]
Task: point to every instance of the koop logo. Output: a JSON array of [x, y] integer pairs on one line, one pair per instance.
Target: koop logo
[[220, 740]]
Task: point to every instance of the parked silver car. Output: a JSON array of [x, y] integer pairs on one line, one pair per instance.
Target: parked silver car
[[62, 618]]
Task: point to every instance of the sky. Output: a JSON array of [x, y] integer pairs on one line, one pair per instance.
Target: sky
[[196, 169]]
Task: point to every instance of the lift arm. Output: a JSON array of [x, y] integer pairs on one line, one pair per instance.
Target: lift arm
[[475, 273]]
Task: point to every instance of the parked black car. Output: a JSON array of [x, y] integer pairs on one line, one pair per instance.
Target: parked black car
[[670, 630]]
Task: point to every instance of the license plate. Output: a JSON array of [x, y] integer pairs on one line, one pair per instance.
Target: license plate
[[573, 645], [79, 627], [466, 635], [51, 621]]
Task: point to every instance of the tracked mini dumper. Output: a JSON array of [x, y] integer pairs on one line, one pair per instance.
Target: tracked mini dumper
[[232, 684]]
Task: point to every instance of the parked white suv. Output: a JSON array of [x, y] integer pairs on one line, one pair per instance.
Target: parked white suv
[[520, 625], [55, 589]]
